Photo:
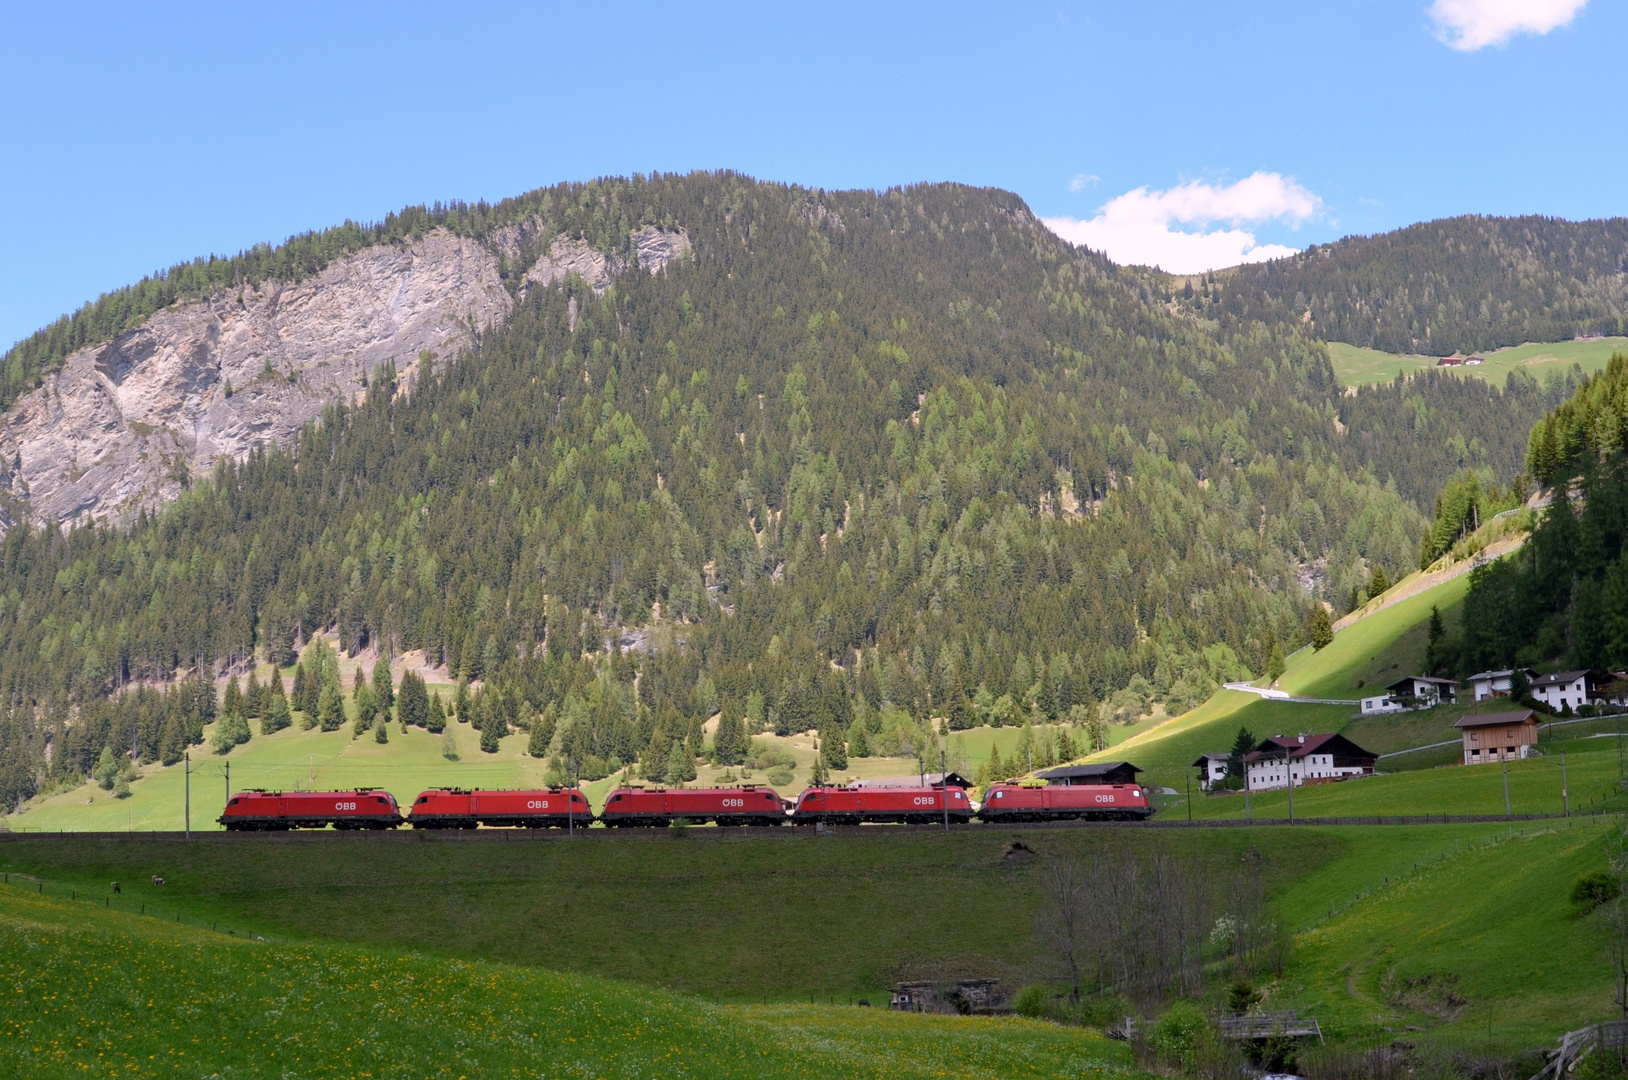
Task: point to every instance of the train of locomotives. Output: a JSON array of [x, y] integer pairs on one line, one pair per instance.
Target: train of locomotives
[[634, 807]]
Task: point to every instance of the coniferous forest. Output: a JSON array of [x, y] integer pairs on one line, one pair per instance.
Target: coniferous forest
[[1457, 284], [859, 449]]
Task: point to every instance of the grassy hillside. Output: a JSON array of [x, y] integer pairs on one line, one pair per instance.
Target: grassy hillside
[[1366, 655], [744, 917], [1358, 366], [414, 760], [140, 998], [1474, 941], [1480, 908]]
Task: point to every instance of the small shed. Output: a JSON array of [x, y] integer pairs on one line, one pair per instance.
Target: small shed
[[1102, 772], [1501, 736], [964, 996]]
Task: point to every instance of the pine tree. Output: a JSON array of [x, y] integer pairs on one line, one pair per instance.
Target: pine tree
[[1047, 698], [728, 745], [300, 689], [680, 765], [542, 733], [834, 746], [174, 740], [1436, 646], [276, 716], [1379, 583], [819, 777], [1066, 750], [859, 743], [381, 729], [232, 731], [997, 771], [358, 681], [460, 701], [107, 769], [1276, 665], [254, 697], [412, 701], [655, 759], [232, 702], [435, 717], [383, 689], [366, 711], [274, 685], [330, 708], [1322, 630], [1243, 744]]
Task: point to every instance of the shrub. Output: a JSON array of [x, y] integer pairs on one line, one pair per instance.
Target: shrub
[[1032, 1001], [1241, 997], [1179, 1034], [1591, 890], [780, 777]]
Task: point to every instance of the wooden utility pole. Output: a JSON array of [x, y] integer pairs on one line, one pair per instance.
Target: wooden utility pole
[[1247, 815], [1288, 769], [1505, 759], [1565, 797], [186, 771]]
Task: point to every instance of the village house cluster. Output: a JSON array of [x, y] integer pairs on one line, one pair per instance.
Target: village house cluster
[[1500, 734]]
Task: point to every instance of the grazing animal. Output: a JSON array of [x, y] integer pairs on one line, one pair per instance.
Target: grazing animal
[[115, 886], [157, 880]]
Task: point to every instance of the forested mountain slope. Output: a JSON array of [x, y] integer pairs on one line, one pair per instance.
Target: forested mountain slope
[[1456, 284], [852, 449]]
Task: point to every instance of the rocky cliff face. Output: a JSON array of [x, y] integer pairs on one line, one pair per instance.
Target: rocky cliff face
[[127, 423]]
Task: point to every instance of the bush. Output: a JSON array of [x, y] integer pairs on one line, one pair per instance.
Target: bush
[[1180, 1034], [780, 777], [1591, 890], [763, 754], [1032, 1001]]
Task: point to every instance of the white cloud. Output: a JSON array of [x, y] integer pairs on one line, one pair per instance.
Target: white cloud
[[1468, 25], [1083, 181], [1136, 227]]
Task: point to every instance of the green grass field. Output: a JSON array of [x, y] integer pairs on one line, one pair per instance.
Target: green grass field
[[89, 992], [747, 917], [1357, 366], [765, 922]]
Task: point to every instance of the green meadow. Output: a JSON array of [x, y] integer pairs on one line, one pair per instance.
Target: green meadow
[[1357, 366], [101, 993], [745, 931]]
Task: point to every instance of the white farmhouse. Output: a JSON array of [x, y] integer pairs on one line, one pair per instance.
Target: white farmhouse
[[1495, 684], [1574, 688], [1305, 759]]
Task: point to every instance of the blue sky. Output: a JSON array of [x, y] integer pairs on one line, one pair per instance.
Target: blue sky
[[132, 139]]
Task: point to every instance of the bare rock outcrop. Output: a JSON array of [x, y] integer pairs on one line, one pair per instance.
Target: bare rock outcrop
[[127, 423]]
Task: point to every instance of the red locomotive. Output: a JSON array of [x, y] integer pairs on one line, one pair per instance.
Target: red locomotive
[[852, 806], [1095, 802], [265, 811], [457, 808], [727, 806]]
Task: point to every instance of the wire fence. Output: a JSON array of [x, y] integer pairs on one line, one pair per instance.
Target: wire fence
[[108, 900]]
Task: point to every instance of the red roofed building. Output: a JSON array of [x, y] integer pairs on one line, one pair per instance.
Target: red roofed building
[[1305, 759]]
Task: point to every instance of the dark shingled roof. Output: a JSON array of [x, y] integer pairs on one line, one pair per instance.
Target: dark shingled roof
[[1496, 719]]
